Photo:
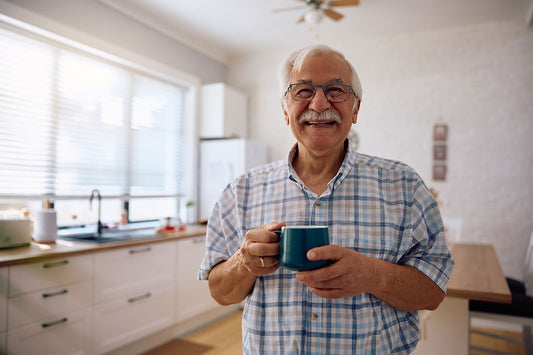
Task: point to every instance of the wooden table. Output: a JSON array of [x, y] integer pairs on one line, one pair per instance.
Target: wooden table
[[477, 275]]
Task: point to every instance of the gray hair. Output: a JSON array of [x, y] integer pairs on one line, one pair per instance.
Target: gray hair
[[295, 61]]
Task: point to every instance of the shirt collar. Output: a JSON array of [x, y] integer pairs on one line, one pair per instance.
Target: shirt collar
[[347, 165]]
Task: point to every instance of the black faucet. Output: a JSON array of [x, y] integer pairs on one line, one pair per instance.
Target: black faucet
[[99, 226]]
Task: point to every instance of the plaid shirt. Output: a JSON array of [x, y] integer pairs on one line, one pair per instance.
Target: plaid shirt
[[377, 207]]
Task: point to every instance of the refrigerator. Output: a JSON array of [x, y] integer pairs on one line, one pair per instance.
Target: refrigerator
[[221, 161]]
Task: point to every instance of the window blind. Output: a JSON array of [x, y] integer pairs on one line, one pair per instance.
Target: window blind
[[71, 122]]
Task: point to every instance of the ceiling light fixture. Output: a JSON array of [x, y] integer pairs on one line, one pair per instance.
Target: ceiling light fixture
[[313, 17]]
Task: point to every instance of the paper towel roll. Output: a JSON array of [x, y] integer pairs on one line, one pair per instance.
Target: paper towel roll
[[45, 226]]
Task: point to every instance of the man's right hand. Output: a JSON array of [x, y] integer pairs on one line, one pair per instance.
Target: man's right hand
[[231, 281], [259, 253]]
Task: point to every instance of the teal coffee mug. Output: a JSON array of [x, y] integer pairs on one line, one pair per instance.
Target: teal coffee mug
[[296, 241]]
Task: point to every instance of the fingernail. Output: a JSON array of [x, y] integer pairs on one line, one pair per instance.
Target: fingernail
[[299, 277], [311, 255]]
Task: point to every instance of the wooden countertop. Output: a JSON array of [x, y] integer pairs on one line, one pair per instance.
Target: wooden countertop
[[41, 251], [477, 274]]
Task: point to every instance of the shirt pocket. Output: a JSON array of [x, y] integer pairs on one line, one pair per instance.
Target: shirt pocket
[[371, 240]]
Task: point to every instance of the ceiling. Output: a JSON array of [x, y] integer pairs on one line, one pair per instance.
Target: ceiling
[[222, 29]]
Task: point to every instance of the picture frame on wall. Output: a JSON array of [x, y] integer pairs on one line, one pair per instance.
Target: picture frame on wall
[[439, 152], [440, 132], [439, 172]]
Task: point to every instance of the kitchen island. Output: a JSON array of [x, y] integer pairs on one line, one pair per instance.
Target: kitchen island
[[477, 275]]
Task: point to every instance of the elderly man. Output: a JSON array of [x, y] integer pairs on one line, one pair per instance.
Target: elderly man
[[388, 252]]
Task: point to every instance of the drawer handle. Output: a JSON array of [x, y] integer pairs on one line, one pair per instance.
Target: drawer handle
[[56, 322], [52, 294], [54, 264], [135, 251], [138, 298]]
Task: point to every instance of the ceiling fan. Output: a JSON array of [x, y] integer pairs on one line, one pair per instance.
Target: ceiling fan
[[317, 9]]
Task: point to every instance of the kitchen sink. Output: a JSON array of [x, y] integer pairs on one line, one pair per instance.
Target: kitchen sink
[[113, 236]]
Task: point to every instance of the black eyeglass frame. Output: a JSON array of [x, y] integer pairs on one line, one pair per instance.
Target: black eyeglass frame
[[316, 89]]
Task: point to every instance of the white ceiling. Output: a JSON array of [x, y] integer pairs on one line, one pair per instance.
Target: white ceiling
[[223, 29]]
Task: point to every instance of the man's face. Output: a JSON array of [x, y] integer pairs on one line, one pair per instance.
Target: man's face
[[321, 138]]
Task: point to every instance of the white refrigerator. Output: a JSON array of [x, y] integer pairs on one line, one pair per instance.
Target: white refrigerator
[[221, 161]]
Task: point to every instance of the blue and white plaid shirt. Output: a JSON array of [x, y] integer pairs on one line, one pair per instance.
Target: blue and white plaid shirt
[[378, 207]]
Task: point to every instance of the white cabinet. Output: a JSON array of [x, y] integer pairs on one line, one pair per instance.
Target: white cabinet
[[49, 307], [224, 111], [134, 293], [95, 303], [192, 295], [67, 334]]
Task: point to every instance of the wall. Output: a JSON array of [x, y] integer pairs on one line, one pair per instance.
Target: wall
[[94, 24], [478, 80]]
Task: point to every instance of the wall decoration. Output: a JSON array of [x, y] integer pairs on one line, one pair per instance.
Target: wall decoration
[[439, 172], [440, 132], [440, 151]]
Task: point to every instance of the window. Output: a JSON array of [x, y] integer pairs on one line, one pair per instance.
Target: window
[[72, 121]]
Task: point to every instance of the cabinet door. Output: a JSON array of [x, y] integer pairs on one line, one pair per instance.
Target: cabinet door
[[223, 111], [49, 273], [3, 300], [66, 334], [133, 270], [127, 319], [39, 306], [192, 295]]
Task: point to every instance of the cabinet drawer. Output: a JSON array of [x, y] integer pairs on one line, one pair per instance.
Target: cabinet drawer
[[47, 304], [127, 271], [49, 273], [68, 334], [127, 319]]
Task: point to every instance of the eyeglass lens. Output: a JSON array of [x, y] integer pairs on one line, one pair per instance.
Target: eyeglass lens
[[333, 92]]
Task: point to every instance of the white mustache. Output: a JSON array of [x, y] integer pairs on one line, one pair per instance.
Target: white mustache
[[326, 116]]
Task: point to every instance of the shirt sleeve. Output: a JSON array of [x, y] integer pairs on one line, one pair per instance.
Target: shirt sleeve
[[222, 238], [430, 253]]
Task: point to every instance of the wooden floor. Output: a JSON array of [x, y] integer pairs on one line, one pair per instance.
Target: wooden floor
[[220, 338], [224, 338]]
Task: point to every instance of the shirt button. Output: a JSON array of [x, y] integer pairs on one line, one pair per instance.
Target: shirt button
[[314, 316], [318, 203]]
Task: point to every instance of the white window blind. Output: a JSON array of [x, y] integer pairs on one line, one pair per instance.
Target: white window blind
[[71, 122]]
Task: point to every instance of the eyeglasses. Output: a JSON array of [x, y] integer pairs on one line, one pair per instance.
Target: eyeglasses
[[306, 92]]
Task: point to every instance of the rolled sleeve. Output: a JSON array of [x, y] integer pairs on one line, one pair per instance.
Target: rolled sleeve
[[430, 253], [221, 234]]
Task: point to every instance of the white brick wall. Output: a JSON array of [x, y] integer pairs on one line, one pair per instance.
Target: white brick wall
[[478, 80]]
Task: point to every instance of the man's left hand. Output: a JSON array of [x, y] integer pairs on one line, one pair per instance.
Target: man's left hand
[[349, 275]]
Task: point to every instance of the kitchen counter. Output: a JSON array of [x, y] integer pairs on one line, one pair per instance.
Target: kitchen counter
[[41, 251], [477, 274]]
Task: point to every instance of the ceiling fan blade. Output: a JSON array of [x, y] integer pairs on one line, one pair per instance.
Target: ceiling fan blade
[[343, 3], [334, 15]]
